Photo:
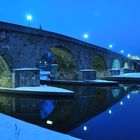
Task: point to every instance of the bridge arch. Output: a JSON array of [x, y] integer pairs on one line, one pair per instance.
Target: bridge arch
[[126, 65], [116, 64], [66, 63], [133, 66], [5, 69], [98, 63], [67, 66]]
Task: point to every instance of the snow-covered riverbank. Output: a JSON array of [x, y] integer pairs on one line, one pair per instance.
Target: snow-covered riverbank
[[14, 129], [129, 75], [45, 89]]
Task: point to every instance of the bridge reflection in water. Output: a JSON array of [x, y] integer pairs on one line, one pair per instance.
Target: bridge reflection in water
[[63, 115], [120, 121]]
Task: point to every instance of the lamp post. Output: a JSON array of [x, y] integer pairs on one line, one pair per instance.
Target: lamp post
[[29, 19]]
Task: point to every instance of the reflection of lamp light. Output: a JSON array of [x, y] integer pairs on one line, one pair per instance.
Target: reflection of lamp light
[[121, 103], [110, 112], [85, 128], [128, 96], [49, 122]]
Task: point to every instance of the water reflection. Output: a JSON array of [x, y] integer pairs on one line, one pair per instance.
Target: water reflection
[[120, 121], [64, 115], [128, 96], [46, 108]]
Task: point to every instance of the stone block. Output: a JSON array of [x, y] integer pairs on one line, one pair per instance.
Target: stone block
[[126, 70], [24, 77], [114, 72], [54, 72], [87, 74]]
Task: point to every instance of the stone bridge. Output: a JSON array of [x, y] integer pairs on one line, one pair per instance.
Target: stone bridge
[[25, 47]]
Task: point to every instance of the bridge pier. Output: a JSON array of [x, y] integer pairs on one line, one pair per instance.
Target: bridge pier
[[126, 70], [54, 72], [26, 77], [114, 72], [87, 74]]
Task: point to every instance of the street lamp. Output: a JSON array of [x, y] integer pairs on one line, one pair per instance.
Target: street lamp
[[29, 19], [122, 51], [86, 36], [110, 46], [129, 55]]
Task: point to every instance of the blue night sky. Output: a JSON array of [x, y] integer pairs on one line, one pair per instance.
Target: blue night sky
[[106, 21]]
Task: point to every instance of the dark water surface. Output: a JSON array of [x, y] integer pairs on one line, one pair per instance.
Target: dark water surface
[[95, 113]]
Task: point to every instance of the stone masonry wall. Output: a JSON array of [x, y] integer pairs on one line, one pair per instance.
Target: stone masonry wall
[[27, 45]]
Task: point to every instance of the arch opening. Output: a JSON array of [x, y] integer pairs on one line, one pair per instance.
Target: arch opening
[[133, 66], [5, 74], [116, 64], [62, 59], [98, 63], [126, 65]]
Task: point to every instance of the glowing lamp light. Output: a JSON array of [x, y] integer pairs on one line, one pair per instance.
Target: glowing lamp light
[[128, 96], [110, 112], [129, 55], [29, 17], [110, 46], [85, 128], [122, 51], [49, 122], [121, 103], [86, 36]]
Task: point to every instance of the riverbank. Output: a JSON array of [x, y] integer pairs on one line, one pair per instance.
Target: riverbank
[[127, 78], [97, 83], [14, 129], [38, 92]]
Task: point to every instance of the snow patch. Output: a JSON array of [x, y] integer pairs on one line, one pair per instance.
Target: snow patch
[[44, 89], [101, 81], [14, 129], [129, 75], [26, 69]]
